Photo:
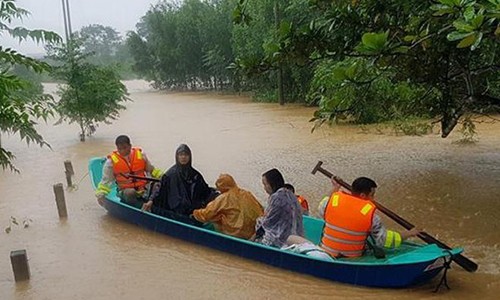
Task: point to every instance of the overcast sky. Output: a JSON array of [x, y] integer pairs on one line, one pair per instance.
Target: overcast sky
[[47, 14]]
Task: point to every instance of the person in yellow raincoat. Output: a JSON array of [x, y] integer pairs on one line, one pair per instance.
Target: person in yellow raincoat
[[234, 212]]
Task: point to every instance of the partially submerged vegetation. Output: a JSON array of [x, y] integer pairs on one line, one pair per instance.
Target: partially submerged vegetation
[[368, 61], [92, 93], [365, 62]]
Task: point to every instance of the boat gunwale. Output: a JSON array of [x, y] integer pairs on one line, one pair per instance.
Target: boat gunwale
[[378, 263], [368, 273]]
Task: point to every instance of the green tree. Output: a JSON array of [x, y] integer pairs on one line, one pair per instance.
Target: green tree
[[263, 49], [351, 90], [185, 45], [451, 47], [92, 94], [107, 48], [448, 48], [32, 79], [101, 41], [21, 103]]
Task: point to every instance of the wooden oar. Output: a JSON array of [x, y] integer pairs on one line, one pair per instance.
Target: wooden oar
[[463, 261], [140, 177]]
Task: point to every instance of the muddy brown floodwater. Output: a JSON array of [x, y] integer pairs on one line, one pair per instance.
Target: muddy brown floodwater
[[450, 190]]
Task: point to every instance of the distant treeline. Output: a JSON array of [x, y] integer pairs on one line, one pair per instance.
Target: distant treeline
[[362, 61], [104, 47]]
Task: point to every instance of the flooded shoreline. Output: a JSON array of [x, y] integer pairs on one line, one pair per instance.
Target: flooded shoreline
[[445, 188]]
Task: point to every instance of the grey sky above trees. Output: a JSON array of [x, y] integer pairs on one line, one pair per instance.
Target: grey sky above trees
[[47, 14]]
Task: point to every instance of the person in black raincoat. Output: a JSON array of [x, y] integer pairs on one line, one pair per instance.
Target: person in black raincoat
[[182, 189]]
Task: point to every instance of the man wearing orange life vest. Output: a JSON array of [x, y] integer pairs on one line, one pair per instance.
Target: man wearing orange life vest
[[350, 218], [126, 160]]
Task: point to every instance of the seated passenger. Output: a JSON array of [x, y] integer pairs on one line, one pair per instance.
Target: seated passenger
[[234, 212], [126, 160], [302, 201], [283, 215], [350, 218], [182, 189]]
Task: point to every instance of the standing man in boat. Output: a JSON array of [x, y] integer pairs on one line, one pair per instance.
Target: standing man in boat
[[350, 219], [126, 160]]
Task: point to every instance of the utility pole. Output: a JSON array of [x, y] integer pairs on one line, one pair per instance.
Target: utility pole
[[70, 31], [67, 19]]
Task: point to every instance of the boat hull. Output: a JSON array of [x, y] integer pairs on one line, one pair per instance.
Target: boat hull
[[372, 275], [378, 273]]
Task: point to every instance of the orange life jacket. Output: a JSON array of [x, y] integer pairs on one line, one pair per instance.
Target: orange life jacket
[[303, 202], [136, 165], [348, 220]]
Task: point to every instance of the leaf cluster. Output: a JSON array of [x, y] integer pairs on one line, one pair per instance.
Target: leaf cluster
[[21, 101]]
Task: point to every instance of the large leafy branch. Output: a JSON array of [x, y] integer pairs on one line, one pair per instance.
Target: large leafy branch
[[20, 110]]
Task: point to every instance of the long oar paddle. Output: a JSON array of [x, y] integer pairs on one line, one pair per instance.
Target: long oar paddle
[[140, 177], [463, 261]]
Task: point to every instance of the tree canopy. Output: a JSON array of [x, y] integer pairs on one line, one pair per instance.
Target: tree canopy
[[101, 41], [360, 61], [184, 45], [92, 94], [106, 47], [21, 103]]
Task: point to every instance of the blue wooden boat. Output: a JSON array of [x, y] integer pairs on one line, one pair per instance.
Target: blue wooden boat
[[411, 264]]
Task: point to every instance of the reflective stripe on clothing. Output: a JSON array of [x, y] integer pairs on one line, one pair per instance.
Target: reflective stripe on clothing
[[348, 220], [377, 230], [133, 165], [115, 158], [352, 232], [366, 209], [102, 190], [380, 233], [322, 206], [388, 239], [335, 200], [397, 239], [335, 253], [157, 173], [393, 239], [345, 241]]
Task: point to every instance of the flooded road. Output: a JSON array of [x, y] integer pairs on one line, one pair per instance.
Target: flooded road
[[449, 190]]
